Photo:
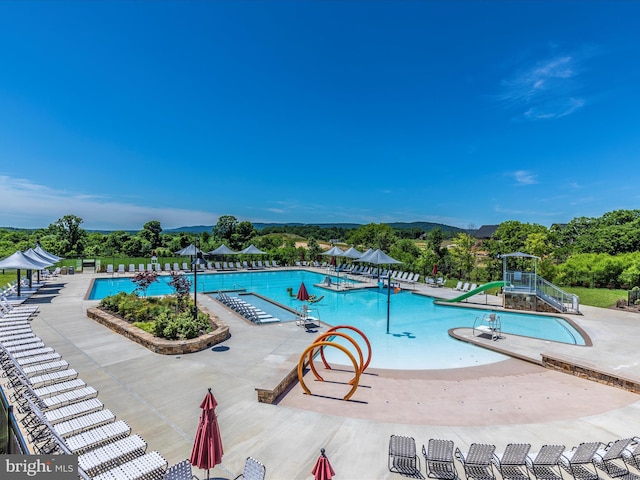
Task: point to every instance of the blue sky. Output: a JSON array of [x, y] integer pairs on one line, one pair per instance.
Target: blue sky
[[463, 113]]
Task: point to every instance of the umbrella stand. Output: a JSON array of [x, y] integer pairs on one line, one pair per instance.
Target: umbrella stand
[[388, 299]]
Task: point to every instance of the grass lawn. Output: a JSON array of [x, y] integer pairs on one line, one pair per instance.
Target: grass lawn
[[597, 297]]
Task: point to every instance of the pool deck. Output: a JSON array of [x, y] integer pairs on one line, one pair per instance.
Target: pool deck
[[520, 401]]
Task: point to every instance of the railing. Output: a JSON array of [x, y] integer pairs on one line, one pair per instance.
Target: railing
[[526, 282], [12, 440]]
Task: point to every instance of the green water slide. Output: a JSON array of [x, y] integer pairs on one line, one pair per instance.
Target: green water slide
[[481, 288]]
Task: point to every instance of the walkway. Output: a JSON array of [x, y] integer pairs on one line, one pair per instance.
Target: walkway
[[159, 395]]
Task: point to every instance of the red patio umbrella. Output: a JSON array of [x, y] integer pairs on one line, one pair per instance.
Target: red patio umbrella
[[302, 295], [207, 447], [434, 270], [322, 469]]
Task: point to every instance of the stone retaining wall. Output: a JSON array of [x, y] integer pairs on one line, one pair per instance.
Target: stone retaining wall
[[590, 372], [528, 302], [160, 345]]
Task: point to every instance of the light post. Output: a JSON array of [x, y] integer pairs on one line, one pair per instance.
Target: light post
[[198, 261]]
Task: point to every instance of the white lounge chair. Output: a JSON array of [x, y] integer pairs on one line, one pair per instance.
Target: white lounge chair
[[458, 286], [141, 267], [149, 465], [83, 423], [77, 409], [103, 458], [167, 267], [97, 436], [110, 268], [99, 459], [132, 268], [57, 388], [121, 268]]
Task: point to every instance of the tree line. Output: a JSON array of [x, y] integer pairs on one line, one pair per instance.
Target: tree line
[[595, 252]]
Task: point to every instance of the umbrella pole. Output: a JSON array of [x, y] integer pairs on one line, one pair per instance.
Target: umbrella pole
[[388, 300]]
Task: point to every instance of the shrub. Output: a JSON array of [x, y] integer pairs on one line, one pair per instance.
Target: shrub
[[159, 316], [621, 303]]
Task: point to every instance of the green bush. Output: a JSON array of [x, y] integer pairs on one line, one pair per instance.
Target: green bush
[[157, 315]]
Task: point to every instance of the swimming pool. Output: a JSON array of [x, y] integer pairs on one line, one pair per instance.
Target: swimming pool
[[418, 334]]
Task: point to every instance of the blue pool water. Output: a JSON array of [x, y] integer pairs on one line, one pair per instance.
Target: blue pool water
[[417, 338]]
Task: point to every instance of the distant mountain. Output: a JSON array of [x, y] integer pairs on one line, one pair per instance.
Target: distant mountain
[[426, 226]]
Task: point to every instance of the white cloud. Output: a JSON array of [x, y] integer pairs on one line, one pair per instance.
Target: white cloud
[[524, 177], [545, 90], [30, 205]]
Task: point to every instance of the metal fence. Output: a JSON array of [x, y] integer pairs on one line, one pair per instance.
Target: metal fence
[[11, 440]]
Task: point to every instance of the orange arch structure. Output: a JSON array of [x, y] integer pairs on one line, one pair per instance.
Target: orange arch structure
[[322, 337], [315, 345], [361, 333]]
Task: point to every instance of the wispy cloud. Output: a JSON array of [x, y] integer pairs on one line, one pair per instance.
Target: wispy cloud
[[544, 89], [27, 204], [524, 177]]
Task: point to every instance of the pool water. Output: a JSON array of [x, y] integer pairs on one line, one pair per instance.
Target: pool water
[[417, 337]]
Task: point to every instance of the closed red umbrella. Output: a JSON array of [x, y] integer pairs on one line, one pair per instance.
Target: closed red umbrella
[[434, 271], [322, 469], [207, 447], [302, 295]]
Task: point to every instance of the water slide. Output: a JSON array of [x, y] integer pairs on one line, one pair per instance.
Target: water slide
[[481, 288]]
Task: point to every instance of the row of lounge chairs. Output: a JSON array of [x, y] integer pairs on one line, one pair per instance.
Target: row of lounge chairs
[[244, 308], [253, 265], [61, 413], [482, 462], [465, 287], [185, 267]]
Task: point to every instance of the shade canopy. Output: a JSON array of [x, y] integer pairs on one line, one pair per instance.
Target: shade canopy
[[519, 255], [334, 252], [253, 250], [207, 447], [191, 251], [222, 250], [33, 255], [378, 257], [41, 251], [352, 253], [302, 295], [20, 261]]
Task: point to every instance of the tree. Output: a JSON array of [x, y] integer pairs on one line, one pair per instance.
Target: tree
[[313, 249], [245, 231], [182, 285], [115, 241], [463, 255], [151, 233], [373, 236], [70, 234], [144, 279], [225, 228]]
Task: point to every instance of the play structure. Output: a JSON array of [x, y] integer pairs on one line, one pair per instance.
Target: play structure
[[326, 340]]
